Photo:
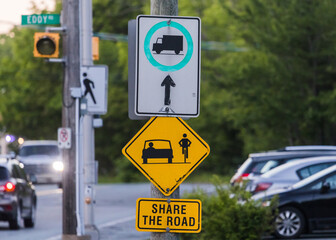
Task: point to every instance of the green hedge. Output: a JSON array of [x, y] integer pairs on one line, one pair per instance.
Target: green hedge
[[230, 214]]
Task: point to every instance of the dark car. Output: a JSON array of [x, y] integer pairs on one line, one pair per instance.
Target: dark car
[[157, 148], [307, 206], [17, 195], [260, 163]]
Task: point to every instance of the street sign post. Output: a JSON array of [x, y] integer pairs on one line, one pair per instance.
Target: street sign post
[[94, 87], [166, 150], [168, 215], [40, 19], [167, 76]]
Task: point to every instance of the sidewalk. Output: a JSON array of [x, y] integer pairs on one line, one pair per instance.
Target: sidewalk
[[123, 231]]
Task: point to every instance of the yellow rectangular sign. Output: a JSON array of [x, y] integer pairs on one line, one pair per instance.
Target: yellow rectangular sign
[[168, 215]]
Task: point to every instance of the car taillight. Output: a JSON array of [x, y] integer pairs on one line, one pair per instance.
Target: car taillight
[[8, 187], [245, 175], [240, 178], [262, 187]]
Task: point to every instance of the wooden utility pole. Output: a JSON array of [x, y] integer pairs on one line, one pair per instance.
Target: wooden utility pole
[[164, 7], [71, 53]]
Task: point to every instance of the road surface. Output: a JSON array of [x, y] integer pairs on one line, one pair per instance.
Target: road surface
[[114, 212]]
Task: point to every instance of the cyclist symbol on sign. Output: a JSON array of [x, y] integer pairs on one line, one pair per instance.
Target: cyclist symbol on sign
[[184, 144]]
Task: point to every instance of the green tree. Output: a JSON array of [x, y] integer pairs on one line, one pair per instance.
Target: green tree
[[280, 91], [30, 97], [276, 90], [112, 17]]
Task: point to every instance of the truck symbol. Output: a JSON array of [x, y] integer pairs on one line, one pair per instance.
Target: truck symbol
[[168, 42]]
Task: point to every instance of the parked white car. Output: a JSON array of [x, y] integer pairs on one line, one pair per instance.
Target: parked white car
[[42, 161], [289, 173], [259, 163]]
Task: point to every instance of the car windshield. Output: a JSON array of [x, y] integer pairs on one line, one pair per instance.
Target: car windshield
[[50, 150], [314, 177], [4, 174], [265, 166], [157, 144], [269, 165]]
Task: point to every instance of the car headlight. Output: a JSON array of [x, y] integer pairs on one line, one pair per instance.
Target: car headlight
[[58, 166], [21, 165]]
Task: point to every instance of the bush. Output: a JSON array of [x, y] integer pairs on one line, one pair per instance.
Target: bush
[[230, 214]]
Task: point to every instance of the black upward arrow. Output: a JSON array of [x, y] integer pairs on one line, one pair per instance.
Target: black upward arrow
[[167, 82]]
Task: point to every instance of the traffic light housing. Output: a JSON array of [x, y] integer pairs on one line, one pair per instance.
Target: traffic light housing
[[95, 48], [46, 45]]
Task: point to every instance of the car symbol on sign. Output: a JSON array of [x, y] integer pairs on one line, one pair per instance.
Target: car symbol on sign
[[151, 151]]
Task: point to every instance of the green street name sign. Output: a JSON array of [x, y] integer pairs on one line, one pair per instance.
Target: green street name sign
[[40, 19]]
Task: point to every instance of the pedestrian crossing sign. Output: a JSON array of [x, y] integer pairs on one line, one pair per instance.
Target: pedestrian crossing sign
[[166, 150], [94, 80]]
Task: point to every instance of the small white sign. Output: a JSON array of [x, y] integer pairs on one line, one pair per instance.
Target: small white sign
[[94, 88], [167, 77], [64, 138]]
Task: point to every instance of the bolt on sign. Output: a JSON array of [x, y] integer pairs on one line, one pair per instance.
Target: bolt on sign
[[166, 150], [168, 215]]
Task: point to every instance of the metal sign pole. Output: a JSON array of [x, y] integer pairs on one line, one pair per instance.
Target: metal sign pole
[[88, 130], [164, 7]]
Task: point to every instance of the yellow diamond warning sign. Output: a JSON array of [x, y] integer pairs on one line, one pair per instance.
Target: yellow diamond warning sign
[[166, 150], [168, 215]]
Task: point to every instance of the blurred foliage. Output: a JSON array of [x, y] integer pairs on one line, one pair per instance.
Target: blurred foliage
[[231, 214], [278, 92], [30, 89]]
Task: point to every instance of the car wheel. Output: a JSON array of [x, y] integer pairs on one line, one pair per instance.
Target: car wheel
[[289, 223], [30, 222], [16, 222]]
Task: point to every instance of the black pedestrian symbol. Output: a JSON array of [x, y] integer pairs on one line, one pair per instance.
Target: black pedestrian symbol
[[185, 143], [169, 43], [88, 83], [157, 148]]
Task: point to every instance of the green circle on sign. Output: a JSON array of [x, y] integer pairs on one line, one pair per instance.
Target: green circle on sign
[[148, 53]]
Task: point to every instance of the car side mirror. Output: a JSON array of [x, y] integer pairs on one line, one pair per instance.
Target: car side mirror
[[325, 187]]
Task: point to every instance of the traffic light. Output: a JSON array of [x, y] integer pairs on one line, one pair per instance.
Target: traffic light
[[95, 48], [46, 45]]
